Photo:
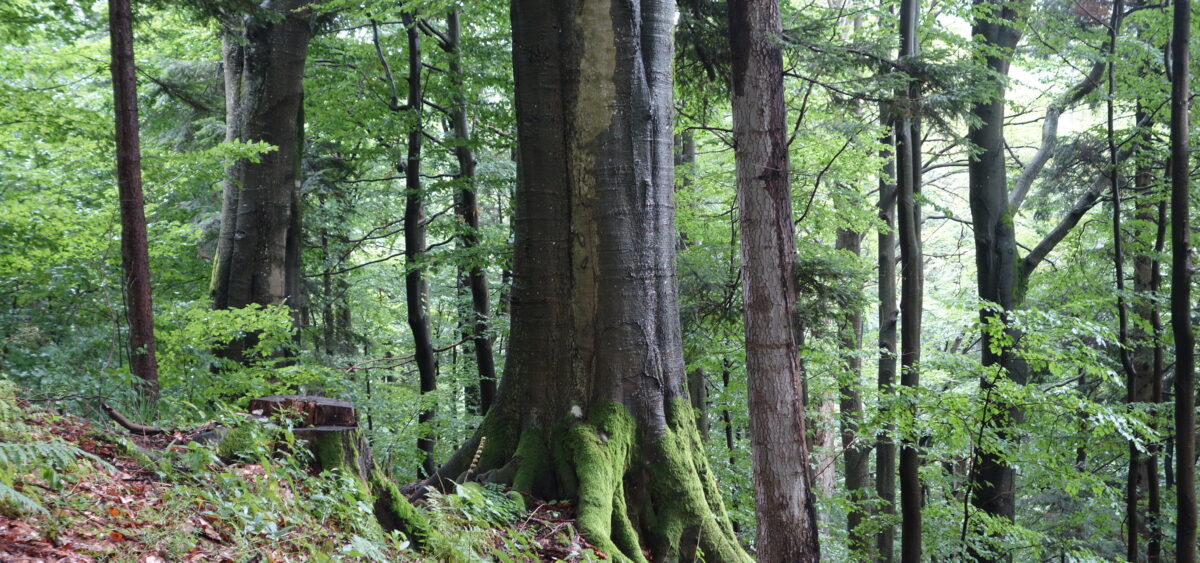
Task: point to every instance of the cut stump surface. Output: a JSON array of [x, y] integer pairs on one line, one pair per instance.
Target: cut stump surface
[[313, 411]]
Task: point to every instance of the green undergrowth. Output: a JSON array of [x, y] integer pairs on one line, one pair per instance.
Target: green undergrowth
[[67, 486]]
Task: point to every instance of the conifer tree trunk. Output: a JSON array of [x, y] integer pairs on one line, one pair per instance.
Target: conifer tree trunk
[[135, 260], [593, 404], [258, 255], [784, 504], [1181, 301]]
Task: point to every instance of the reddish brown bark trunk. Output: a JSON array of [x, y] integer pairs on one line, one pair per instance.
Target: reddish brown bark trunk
[[135, 260], [787, 521]]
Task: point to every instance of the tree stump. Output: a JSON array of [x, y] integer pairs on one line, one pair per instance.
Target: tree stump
[[313, 411], [330, 429]]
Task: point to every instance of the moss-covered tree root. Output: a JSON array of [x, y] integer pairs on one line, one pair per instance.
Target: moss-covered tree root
[[635, 491]]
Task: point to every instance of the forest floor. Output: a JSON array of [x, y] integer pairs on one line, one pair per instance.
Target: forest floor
[[115, 504]]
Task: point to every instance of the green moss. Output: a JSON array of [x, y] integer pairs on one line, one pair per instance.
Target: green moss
[[501, 437], [533, 461], [685, 493], [327, 450], [241, 439], [394, 512], [601, 450], [564, 468], [623, 534]]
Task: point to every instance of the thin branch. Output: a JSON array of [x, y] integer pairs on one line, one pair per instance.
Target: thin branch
[[442, 40], [394, 103], [357, 266]]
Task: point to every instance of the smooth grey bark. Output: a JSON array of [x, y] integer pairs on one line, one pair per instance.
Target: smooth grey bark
[[593, 404], [997, 267], [1181, 287], [889, 314], [468, 210], [908, 187], [1002, 276], [258, 254], [784, 504], [135, 259], [1132, 517], [416, 288]]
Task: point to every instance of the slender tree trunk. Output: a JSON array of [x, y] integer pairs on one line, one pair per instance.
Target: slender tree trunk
[[257, 259], [593, 405], [787, 523], [468, 209], [1181, 301], [1154, 500], [415, 286], [1114, 181], [908, 167], [885, 449], [727, 418], [135, 260], [857, 450], [1143, 474]]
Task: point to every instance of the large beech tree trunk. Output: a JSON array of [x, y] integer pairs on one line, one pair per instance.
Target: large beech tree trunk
[[593, 403], [135, 259], [1181, 300], [258, 254], [784, 504]]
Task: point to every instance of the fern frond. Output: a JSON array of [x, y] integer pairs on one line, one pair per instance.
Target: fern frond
[[56, 453], [9, 495]]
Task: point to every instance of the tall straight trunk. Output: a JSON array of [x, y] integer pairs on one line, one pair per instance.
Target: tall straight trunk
[[1154, 492], [1140, 388], [258, 254], [889, 313], [593, 404], [468, 209], [784, 505], [135, 259], [857, 450], [1132, 517], [908, 170], [416, 288], [999, 276], [1181, 300]]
